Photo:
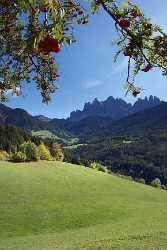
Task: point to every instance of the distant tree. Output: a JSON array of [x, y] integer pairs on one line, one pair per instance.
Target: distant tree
[[18, 157], [29, 44], [44, 153], [57, 152], [30, 150], [156, 183], [3, 155], [95, 165]]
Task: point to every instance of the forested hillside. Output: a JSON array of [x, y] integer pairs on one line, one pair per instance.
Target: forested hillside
[[12, 137]]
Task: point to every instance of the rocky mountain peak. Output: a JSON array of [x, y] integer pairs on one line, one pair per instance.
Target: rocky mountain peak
[[113, 108]]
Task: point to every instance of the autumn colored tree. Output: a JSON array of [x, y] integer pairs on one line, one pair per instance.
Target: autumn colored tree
[[56, 152], [44, 153], [30, 150], [32, 32]]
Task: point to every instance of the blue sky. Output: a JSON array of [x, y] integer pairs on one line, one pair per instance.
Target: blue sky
[[87, 69]]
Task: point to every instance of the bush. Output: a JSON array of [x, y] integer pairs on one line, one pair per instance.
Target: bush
[[142, 181], [164, 187], [44, 153], [18, 157], [30, 150], [94, 165], [57, 152], [128, 177], [3, 155], [97, 166], [102, 168], [156, 183]]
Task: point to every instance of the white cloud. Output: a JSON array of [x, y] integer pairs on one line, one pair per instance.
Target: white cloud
[[91, 83], [120, 67]]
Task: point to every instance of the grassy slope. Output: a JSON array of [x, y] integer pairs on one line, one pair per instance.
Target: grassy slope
[[46, 134], [46, 206]]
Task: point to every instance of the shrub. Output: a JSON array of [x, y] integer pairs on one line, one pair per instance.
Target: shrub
[[164, 187], [94, 165], [30, 150], [156, 183], [18, 157], [106, 170], [128, 177], [3, 155], [141, 180], [57, 152], [44, 153], [99, 167], [102, 168]]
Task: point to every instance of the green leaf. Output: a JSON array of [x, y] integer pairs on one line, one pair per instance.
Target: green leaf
[[124, 5]]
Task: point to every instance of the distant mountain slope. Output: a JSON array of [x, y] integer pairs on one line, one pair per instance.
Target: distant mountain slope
[[145, 122], [21, 118], [91, 124], [96, 118], [113, 108], [153, 120], [43, 118]]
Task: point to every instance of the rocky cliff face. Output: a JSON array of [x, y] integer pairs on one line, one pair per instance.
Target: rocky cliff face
[[113, 108]]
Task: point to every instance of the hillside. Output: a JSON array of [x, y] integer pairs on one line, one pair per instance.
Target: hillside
[[150, 121], [12, 137], [92, 117], [22, 119], [62, 206]]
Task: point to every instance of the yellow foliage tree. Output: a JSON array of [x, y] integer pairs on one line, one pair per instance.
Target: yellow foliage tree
[[57, 152], [44, 153]]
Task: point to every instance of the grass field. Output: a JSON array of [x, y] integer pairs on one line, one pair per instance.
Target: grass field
[[51, 205], [63, 138]]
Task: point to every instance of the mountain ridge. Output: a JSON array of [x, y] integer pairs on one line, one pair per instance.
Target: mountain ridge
[[114, 108], [94, 117]]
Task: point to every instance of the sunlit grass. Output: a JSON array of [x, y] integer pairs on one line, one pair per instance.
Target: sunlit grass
[[53, 205]]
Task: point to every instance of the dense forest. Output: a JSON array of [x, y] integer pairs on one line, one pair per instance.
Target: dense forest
[[139, 157], [12, 137]]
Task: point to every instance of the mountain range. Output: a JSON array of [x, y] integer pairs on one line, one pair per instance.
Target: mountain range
[[99, 117], [128, 139], [113, 108]]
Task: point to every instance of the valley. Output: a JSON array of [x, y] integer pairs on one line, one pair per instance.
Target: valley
[[103, 138]]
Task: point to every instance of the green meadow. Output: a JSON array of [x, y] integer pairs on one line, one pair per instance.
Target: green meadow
[[54, 205]]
